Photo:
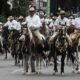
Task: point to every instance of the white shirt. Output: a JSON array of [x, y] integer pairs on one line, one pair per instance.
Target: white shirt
[[52, 24], [46, 20], [60, 21], [11, 24], [42, 20], [18, 26], [33, 21], [72, 21], [77, 22]]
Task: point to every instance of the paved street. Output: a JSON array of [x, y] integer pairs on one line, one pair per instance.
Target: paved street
[[10, 72]]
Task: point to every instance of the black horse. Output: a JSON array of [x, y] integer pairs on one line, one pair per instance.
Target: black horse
[[59, 47], [5, 34], [13, 40]]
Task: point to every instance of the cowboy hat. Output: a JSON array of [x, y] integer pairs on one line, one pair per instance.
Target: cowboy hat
[[11, 17], [62, 12], [20, 17], [31, 9]]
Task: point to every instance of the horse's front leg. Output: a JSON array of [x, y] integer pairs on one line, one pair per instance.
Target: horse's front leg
[[37, 64], [78, 60], [63, 62], [6, 54], [32, 64], [25, 63], [55, 64]]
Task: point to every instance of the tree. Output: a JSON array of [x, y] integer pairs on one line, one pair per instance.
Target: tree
[[20, 7], [69, 5], [4, 8]]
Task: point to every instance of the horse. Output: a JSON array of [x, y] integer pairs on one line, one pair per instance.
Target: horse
[[27, 50], [70, 30], [42, 48], [1, 44], [13, 40], [59, 47], [5, 34], [74, 50]]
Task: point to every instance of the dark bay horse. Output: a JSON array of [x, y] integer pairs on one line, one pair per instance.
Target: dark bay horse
[[13, 40], [42, 48], [59, 48], [5, 34]]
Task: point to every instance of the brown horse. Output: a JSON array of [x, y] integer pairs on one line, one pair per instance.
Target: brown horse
[[42, 52], [74, 49], [27, 50]]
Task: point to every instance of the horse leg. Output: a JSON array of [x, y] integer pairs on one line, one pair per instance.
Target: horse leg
[[71, 54], [78, 52], [63, 62], [5, 52], [32, 64], [78, 60], [37, 63], [55, 64], [25, 63], [40, 63], [16, 62]]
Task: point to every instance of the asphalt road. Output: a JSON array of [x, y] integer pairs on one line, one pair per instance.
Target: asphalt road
[[10, 72]]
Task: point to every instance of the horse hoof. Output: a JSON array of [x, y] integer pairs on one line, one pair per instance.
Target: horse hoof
[[5, 58], [24, 73], [62, 73], [28, 73], [55, 73], [78, 72], [74, 71], [38, 73]]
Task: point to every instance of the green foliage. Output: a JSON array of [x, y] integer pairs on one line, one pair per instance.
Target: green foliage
[[2, 18], [20, 7]]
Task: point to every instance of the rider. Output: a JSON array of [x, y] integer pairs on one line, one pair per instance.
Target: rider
[[52, 26], [61, 21], [12, 25], [71, 20], [20, 20], [34, 23], [76, 24]]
